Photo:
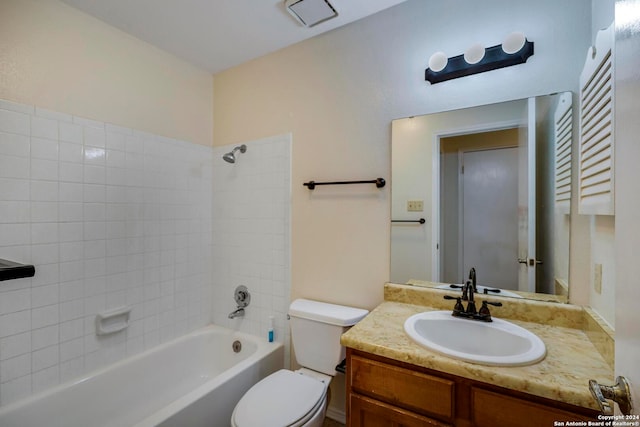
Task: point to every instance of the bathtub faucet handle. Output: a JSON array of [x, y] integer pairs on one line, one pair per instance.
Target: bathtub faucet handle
[[243, 298]]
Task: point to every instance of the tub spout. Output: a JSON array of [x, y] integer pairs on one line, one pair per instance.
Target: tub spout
[[236, 313]]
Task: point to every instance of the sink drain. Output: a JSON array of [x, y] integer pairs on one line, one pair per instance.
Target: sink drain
[[237, 346]]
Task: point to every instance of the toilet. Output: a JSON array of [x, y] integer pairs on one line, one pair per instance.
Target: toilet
[[299, 398]]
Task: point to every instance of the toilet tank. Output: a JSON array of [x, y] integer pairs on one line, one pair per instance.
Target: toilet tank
[[316, 328]]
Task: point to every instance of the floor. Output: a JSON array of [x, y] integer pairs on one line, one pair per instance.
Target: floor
[[328, 422]]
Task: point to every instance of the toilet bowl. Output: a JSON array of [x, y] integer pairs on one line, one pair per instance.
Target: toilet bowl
[[285, 398], [299, 398]]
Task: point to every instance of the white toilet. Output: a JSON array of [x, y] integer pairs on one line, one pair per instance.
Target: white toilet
[[299, 398]]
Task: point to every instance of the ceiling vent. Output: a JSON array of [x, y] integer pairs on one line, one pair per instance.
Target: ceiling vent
[[310, 12]]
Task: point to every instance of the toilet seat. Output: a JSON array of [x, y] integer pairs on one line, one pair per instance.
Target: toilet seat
[[284, 398]]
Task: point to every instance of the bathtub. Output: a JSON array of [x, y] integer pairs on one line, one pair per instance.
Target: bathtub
[[195, 380]]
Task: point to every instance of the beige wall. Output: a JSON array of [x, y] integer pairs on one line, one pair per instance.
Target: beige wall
[[337, 93], [58, 58]]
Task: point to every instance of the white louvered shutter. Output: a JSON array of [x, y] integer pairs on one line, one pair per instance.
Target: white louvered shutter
[[596, 155], [563, 135]]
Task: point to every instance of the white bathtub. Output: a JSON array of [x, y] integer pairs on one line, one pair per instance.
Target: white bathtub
[[193, 381]]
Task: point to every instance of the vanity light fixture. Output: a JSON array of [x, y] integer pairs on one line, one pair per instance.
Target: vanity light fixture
[[515, 49]]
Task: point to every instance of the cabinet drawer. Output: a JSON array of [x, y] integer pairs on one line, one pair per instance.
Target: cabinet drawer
[[367, 412], [491, 409], [415, 391]]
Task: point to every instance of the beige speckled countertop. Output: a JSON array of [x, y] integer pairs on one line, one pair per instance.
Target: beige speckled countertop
[[563, 375]]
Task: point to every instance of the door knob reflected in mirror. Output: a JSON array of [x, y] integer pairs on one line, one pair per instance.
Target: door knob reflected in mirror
[[529, 261]]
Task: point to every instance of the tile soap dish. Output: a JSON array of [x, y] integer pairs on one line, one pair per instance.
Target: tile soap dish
[[13, 270]]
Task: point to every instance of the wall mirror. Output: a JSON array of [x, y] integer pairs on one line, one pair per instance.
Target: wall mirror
[[489, 188]]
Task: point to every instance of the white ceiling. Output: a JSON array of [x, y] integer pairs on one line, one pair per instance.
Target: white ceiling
[[219, 34]]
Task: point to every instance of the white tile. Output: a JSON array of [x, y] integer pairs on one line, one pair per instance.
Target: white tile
[[71, 369], [15, 323], [13, 301], [70, 132], [15, 367], [42, 127], [71, 310], [71, 349], [95, 267], [12, 144], [95, 155], [47, 253], [15, 345], [45, 358], [14, 167], [71, 172], [14, 211], [115, 158], [14, 122], [44, 337], [95, 174], [44, 191], [95, 249], [44, 295], [95, 212], [71, 329], [44, 211], [71, 192], [42, 169], [42, 148], [94, 230], [14, 189], [44, 316], [44, 232], [94, 137], [70, 152], [71, 270], [72, 290], [71, 231], [70, 211], [15, 234], [94, 193]]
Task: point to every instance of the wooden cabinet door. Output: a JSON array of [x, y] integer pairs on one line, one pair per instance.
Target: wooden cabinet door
[[495, 409], [366, 412]]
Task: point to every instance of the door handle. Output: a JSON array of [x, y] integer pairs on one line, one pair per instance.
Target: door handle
[[619, 393], [529, 261]]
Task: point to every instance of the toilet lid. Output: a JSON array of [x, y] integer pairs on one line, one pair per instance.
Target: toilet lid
[[281, 399]]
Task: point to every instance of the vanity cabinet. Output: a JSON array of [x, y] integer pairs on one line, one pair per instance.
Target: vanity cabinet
[[386, 392]]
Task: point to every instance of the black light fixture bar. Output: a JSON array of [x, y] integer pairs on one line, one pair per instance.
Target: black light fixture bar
[[494, 58]]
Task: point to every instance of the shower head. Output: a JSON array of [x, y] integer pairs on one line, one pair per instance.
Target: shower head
[[231, 156]]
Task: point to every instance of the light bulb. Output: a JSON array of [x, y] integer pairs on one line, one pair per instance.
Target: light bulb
[[513, 42], [474, 54], [438, 61]]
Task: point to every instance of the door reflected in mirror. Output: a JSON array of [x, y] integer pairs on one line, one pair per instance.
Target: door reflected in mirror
[[494, 186]]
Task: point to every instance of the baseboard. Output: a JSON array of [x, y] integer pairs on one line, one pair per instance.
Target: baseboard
[[336, 415]]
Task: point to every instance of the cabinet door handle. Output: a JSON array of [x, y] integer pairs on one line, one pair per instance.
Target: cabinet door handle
[[619, 393]]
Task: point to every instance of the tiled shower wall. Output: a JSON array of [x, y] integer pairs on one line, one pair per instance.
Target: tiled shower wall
[[251, 235], [110, 217]]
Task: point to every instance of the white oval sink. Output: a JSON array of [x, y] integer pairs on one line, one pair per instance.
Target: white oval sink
[[481, 288], [497, 343]]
